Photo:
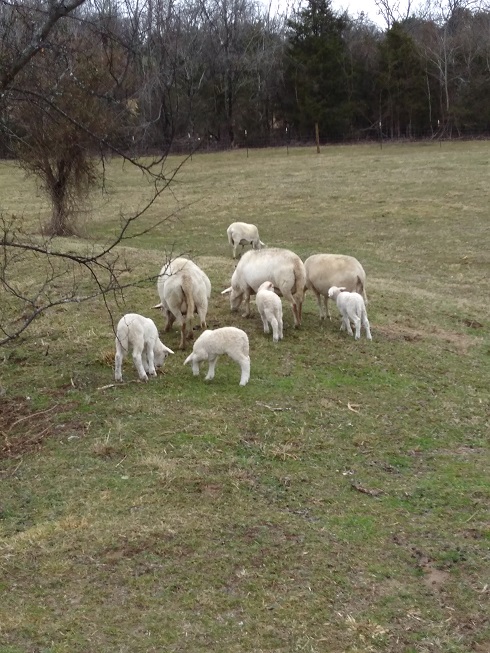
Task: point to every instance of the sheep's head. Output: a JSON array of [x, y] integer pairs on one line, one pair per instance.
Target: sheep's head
[[334, 291], [160, 353], [236, 297], [267, 285]]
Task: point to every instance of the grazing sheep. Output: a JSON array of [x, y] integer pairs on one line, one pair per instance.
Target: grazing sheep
[[270, 309], [352, 309], [184, 289], [242, 233], [326, 270], [282, 267], [211, 344], [141, 334]]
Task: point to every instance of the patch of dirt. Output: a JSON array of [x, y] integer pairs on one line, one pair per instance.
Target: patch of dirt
[[396, 332], [472, 324], [434, 578], [23, 430]]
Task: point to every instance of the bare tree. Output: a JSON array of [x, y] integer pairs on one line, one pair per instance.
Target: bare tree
[[66, 82], [394, 11]]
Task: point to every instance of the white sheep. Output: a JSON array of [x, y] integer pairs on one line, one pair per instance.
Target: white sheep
[[141, 334], [242, 233], [184, 289], [352, 309], [326, 270], [270, 309], [282, 267], [213, 343]]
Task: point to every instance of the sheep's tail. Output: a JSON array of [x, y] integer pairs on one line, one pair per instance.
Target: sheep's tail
[[361, 289], [298, 291], [189, 297]]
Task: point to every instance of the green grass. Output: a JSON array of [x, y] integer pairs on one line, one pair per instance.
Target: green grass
[[338, 502]]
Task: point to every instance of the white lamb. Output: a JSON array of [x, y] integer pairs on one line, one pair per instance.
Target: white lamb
[[269, 306], [211, 344], [352, 309], [242, 233], [141, 334]]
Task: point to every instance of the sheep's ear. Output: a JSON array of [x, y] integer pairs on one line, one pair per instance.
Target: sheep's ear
[[227, 291], [188, 359], [167, 349], [343, 289], [157, 306]]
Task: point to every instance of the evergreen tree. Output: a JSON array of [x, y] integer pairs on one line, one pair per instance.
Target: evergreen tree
[[316, 76], [403, 106]]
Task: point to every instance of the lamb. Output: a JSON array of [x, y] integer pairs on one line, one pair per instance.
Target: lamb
[[352, 309], [213, 343], [282, 267], [326, 270], [141, 334], [270, 309], [242, 233], [184, 289]]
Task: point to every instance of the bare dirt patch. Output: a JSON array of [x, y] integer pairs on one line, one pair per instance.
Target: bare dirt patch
[[460, 342], [23, 430]]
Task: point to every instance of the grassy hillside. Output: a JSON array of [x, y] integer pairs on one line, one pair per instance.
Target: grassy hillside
[[338, 502]]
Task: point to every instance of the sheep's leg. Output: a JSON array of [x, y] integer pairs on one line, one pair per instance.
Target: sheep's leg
[[279, 331], [246, 299], [244, 363], [275, 329], [182, 334], [151, 361], [235, 247], [365, 324], [296, 310], [118, 360], [144, 360], [195, 366], [138, 363], [319, 301], [357, 325], [201, 311], [212, 364], [169, 320], [348, 325], [327, 310], [265, 323], [296, 315]]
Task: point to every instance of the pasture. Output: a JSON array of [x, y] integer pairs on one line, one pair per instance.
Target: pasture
[[338, 502]]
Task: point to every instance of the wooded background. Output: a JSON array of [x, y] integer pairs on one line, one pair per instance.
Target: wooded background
[[143, 74]]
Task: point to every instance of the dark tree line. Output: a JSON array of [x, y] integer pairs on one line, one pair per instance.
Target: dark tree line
[[223, 72]]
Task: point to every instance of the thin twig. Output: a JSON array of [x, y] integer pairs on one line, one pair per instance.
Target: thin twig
[[41, 412]]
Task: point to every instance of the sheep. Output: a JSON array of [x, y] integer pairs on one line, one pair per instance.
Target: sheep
[[270, 309], [242, 233], [326, 270], [352, 309], [184, 289], [282, 267], [213, 343], [148, 350]]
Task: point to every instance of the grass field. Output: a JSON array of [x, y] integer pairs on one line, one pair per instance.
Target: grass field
[[337, 503]]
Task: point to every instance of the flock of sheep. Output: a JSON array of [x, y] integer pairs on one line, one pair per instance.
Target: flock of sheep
[[184, 289]]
